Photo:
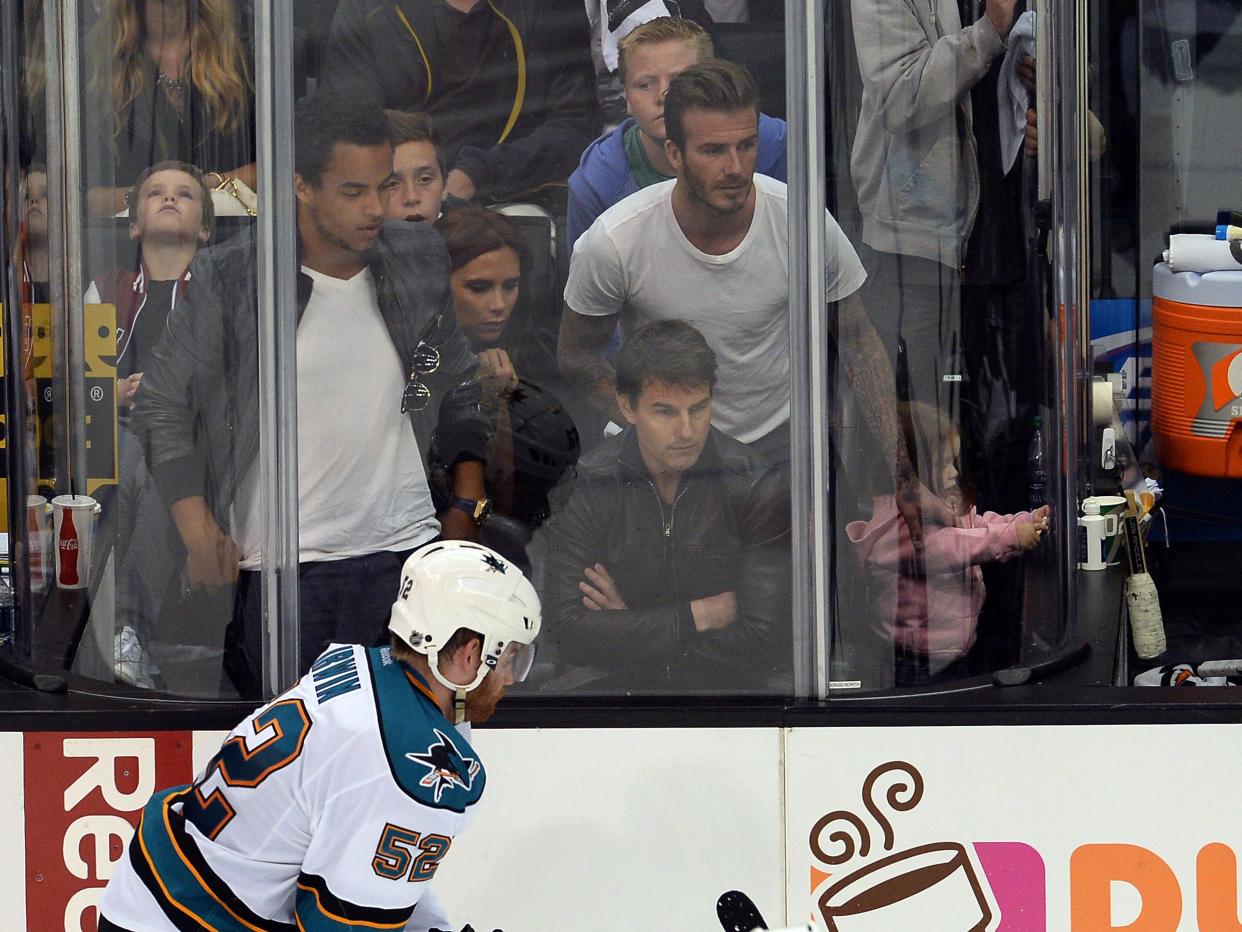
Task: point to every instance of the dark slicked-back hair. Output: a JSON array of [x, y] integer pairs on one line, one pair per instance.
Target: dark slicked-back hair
[[670, 351], [209, 207], [714, 85], [324, 121]]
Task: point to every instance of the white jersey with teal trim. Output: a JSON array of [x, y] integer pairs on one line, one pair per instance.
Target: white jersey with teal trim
[[330, 808]]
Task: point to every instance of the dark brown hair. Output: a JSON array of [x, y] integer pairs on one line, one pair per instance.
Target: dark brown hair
[[669, 351], [715, 85], [470, 232], [406, 127]]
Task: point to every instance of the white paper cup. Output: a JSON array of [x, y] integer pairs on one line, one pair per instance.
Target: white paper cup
[[39, 540], [73, 519], [932, 888]]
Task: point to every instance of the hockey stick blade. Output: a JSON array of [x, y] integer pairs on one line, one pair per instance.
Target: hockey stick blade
[[738, 913]]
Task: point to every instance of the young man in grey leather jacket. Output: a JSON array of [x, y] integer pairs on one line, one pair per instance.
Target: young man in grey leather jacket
[[378, 346]]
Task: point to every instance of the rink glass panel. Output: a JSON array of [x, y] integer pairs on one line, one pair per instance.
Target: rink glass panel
[[111, 601], [990, 370]]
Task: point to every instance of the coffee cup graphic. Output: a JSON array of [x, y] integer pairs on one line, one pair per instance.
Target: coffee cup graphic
[[932, 888]]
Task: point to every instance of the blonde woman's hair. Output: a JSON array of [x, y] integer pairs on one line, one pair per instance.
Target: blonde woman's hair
[[34, 63], [665, 29], [218, 73]]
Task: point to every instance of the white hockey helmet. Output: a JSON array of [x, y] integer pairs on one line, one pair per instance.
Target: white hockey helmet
[[455, 584]]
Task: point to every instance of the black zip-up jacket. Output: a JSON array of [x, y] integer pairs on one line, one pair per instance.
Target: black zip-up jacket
[[509, 85], [197, 408], [727, 530]]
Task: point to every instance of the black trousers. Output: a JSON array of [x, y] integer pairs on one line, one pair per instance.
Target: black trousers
[[346, 601], [106, 926]]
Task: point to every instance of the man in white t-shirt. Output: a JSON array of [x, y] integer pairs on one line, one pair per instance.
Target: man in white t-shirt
[[377, 347], [711, 248]]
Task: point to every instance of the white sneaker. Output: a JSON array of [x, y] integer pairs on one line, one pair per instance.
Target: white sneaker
[[130, 663]]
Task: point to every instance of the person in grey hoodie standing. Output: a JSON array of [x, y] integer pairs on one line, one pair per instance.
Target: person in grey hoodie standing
[[942, 213]]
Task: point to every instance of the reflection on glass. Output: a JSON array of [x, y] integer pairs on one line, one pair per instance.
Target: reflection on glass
[[1170, 110], [633, 155], [927, 604], [167, 81], [440, 386], [669, 567], [505, 440], [509, 88], [943, 120], [170, 216], [368, 302]]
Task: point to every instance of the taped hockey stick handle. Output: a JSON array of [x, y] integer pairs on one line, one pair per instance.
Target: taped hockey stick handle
[[1146, 621]]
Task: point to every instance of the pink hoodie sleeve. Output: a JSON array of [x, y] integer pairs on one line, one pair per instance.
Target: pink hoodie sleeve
[[885, 539], [979, 539]]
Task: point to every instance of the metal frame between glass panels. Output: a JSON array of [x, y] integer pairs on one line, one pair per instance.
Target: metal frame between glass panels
[[64, 191], [1063, 107], [278, 397], [1066, 162], [809, 368]]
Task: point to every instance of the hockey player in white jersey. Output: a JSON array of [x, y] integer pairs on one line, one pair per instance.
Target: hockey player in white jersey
[[333, 806]]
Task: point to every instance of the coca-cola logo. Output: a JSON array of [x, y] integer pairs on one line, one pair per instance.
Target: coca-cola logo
[[70, 543]]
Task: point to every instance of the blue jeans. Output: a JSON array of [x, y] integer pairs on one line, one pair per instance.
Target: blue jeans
[[342, 601]]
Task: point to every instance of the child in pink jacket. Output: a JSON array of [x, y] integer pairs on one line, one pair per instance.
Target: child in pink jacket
[[930, 612]]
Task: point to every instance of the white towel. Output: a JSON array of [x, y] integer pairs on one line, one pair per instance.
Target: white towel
[[1012, 96], [642, 14]]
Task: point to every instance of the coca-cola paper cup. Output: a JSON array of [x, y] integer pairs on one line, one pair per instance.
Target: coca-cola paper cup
[[74, 532], [39, 540]]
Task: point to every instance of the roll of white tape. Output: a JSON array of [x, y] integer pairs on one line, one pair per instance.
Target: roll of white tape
[[1200, 252], [1102, 403]]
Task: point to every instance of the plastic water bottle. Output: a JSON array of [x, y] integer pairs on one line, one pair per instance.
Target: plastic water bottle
[[1037, 466]]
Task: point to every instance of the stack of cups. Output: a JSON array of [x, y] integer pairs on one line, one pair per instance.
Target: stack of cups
[[74, 519], [1091, 537], [39, 540]]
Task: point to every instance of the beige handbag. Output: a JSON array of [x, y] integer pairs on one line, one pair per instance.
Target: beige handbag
[[235, 198]]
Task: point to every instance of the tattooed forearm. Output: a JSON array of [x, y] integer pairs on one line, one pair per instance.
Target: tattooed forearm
[[871, 377], [579, 354]]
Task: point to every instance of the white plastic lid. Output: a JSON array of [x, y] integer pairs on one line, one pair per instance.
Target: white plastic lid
[[1090, 508], [1212, 289]]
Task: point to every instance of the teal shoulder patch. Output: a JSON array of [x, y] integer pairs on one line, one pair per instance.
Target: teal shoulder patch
[[429, 758]]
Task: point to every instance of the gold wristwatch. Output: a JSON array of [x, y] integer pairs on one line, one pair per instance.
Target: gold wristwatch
[[478, 508]]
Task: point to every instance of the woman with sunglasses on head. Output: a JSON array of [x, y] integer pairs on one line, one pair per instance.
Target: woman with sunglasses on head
[[170, 80], [517, 432]]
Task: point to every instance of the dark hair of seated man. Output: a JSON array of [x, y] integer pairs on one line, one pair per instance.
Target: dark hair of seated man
[[670, 351]]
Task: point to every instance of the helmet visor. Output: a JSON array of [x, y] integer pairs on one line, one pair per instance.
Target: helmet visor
[[519, 658]]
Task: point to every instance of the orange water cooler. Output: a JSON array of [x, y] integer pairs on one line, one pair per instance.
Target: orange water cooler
[[1196, 371]]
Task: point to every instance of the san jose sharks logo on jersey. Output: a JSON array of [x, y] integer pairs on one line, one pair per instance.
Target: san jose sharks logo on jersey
[[446, 766]]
